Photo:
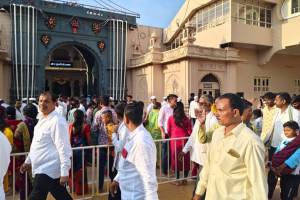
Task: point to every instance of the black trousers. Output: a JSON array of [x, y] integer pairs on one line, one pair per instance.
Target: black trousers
[[272, 178], [118, 194], [42, 184], [103, 165], [289, 186], [164, 157]]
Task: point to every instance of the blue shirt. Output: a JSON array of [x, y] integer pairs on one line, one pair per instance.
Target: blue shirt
[[294, 160]]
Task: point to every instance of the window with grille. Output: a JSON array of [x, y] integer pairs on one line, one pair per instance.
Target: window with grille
[[297, 86], [261, 84], [257, 15]]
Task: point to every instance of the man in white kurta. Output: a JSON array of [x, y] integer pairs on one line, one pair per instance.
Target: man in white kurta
[[137, 167], [5, 149], [194, 105]]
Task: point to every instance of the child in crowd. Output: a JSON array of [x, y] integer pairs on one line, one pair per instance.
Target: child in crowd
[[289, 183], [105, 138], [107, 120]]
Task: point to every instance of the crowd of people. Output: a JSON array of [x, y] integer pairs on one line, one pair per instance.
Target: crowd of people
[[231, 142]]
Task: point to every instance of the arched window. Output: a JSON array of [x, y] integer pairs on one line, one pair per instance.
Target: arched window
[[209, 78]]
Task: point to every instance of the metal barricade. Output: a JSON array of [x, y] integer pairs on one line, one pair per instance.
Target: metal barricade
[[94, 158]]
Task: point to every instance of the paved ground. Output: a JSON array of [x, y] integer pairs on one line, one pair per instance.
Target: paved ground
[[169, 191]]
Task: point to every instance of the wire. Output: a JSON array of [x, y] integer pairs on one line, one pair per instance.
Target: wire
[[102, 5], [122, 7], [110, 7]]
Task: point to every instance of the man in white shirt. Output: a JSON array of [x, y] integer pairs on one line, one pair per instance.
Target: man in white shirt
[[194, 105], [82, 105], [74, 104], [164, 113], [62, 107], [150, 106], [137, 171], [3, 104], [5, 149], [50, 153], [206, 121], [19, 110], [119, 139], [164, 102]]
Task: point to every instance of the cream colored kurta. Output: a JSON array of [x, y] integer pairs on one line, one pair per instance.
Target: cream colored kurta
[[235, 167], [267, 121]]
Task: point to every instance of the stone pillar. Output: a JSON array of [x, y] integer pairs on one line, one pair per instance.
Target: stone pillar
[[154, 43], [188, 38]]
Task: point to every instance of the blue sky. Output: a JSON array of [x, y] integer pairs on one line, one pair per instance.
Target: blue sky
[[157, 13]]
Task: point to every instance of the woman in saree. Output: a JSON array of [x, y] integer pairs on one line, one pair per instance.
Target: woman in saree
[[22, 140], [179, 126], [79, 132]]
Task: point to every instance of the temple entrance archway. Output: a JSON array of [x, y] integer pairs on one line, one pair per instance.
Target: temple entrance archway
[[209, 84], [70, 71]]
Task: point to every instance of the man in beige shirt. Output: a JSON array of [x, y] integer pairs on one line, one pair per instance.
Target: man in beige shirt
[[235, 164], [269, 111]]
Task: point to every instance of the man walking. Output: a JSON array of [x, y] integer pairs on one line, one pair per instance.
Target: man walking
[[50, 152], [193, 107], [137, 168], [235, 165], [164, 113]]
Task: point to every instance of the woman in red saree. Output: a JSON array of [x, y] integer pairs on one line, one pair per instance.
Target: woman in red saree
[[179, 126], [79, 136]]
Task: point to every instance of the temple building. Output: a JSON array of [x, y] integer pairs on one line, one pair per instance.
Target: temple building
[[247, 47], [68, 48]]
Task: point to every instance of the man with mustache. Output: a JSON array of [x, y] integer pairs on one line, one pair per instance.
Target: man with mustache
[[50, 152], [235, 162]]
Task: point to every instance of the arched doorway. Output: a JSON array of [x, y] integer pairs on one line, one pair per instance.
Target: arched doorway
[[209, 84], [69, 71]]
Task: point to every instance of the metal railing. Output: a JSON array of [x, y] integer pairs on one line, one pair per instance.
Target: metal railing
[[90, 159]]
